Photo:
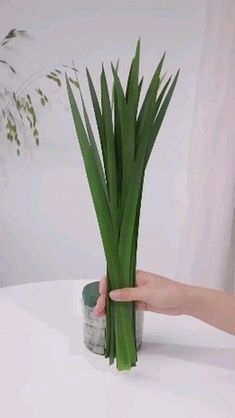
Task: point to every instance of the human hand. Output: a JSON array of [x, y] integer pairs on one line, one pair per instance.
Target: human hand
[[152, 293]]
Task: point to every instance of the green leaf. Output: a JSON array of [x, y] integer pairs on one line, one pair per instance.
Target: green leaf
[[146, 114], [118, 153], [12, 69], [93, 146], [127, 133], [140, 87], [30, 122], [11, 34], [132, 93], [99, 119], [113, 88], [161, 96], [95, 183], [18, 104], [160, 116], [39, 91], [110, 148], [57, 80], [8, 65], [74, 82]]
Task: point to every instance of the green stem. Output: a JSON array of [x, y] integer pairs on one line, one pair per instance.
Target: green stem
[[124, 335]]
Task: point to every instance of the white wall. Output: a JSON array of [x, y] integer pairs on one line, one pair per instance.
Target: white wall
[[48, 228]]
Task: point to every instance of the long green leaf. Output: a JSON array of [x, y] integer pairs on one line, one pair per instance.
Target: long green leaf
[[160, 116], [127, 136], [97, 192], [110, 149], [93, 144], [161, 95], [146, 114], [113, 88], [118, 152], [132, 93], [99, 119]]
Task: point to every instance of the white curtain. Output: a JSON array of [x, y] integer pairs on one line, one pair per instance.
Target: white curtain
[[208, 243]]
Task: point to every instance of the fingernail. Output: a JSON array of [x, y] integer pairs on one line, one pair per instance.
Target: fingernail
[[115, 294]]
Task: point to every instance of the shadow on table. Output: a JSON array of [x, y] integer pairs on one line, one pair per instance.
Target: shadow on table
[[211, 356]]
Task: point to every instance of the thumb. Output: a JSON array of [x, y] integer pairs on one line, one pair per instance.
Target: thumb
[[127, 294]]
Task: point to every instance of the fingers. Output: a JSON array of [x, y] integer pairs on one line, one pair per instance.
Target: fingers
[[101, 301], [140, 306], [140, 280], [100, 314], [128, 294], [125, 295], [137, 294], [103, 286], [100, 305]]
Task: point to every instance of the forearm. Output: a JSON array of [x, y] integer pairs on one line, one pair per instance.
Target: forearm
[[211, 306]]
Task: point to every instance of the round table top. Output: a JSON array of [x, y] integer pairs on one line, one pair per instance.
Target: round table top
[[186, 368]]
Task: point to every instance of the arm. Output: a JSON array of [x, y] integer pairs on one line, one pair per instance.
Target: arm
[[214, 307]]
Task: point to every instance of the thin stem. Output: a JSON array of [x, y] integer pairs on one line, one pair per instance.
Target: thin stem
[[26, 84]]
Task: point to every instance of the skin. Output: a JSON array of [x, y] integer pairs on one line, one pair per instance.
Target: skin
[[159, 294]]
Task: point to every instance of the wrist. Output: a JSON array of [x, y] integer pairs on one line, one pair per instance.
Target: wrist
[[193, 300]]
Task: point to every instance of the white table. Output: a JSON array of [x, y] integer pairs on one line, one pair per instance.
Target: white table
[[186, 369]]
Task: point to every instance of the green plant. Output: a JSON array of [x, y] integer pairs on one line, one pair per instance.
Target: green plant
[[127, 133], [19, 109]]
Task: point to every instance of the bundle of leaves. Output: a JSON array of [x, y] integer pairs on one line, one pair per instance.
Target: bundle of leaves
[[128, 128]]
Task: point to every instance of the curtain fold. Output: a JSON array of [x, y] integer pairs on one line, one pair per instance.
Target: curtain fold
[[208, 241]]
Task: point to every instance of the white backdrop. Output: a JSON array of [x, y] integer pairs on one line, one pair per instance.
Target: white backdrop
[[208, 239], [48, 228]]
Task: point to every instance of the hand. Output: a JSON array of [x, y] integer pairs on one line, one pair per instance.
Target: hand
[[158, 294], [152, 293]]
